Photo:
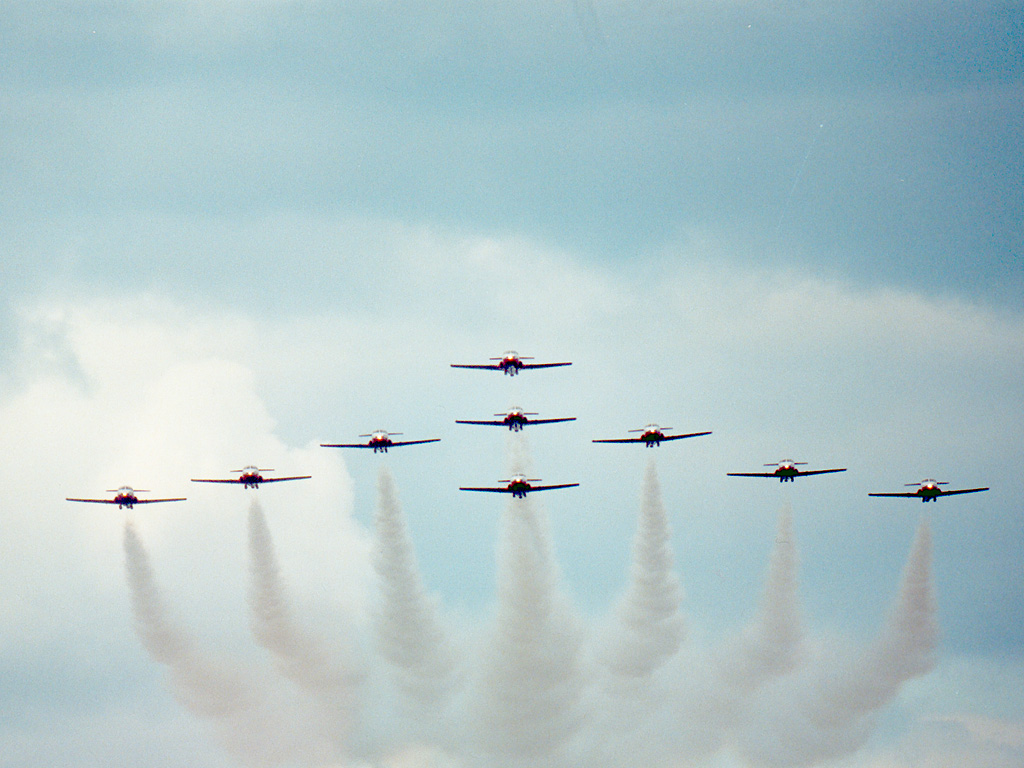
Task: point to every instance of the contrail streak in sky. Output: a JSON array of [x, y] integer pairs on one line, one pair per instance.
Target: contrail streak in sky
[[303, 658], [209, 688], [542, 690], [528, 698], [649, 627], [408, 630], [771, 644]]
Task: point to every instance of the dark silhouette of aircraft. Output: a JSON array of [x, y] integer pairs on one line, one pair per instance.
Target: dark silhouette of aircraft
[[125, 497], [786, 470], [651, 435], [520, 485], [928, 490], [510, 363], [515, 419], [380, 440], [250, 477]]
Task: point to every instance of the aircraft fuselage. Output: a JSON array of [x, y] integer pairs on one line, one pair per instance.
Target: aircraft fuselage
[[786, 473], [124, 500], [652, 438], [251, 480]]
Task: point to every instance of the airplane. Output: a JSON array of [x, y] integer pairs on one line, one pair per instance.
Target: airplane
[[125, 497], [250, 477], [510, 363], [515, 419], [786, 470], [651, 435], [928, 490], [520, 485], [380, 440]]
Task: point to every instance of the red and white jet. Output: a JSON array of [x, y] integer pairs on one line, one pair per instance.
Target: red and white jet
[[380, 440], [651, 435], [515, 419], [928, 490], [786, 470], [520, 485], [125, 497], [510, 363], [251, 477]]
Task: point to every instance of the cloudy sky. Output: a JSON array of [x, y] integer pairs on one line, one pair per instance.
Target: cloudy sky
[[232, 231]]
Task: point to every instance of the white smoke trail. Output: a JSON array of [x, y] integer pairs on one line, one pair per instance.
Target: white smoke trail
[[649, 627], [772, 644], [205, 687], [904, 649], [714, 698], [528, 701], [828, 712], [407, 626], [201, 686], [767, 698], [303, 657]]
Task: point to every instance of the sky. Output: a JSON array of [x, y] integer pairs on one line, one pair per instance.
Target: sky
[[233, 231]]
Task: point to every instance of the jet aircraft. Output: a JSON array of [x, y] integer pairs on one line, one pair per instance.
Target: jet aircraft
[[125, 497], [928, 490], [510, 363], [515, 419], [380, 440], [651, 435], [250, 477], [786, 470], [520, 485]]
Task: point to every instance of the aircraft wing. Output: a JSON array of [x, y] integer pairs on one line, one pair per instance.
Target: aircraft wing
[[345, 445], [543, 365], [233, 480], [660, 439], [478, 367], [819, 471], [903, 495], [531, 489], [95, 501], [680, 437], [153, 501], [965, 490], [397, 443], [751, 474], [280, 479], [551, 487], [505, 424]]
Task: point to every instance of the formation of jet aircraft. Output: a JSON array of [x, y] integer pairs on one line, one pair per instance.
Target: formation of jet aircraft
[[651, 436], [251, 477], [125, 496], [380, 440], [928, 490], [786, 471], [515, 419]]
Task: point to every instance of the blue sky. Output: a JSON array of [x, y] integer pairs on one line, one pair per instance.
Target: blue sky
[[235, 231]]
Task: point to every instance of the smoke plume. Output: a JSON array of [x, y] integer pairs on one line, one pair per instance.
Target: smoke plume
[[409, 632], [648, 626], [209, 688], [545, 690], [530, 681], [303, 658], [771, 645]]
